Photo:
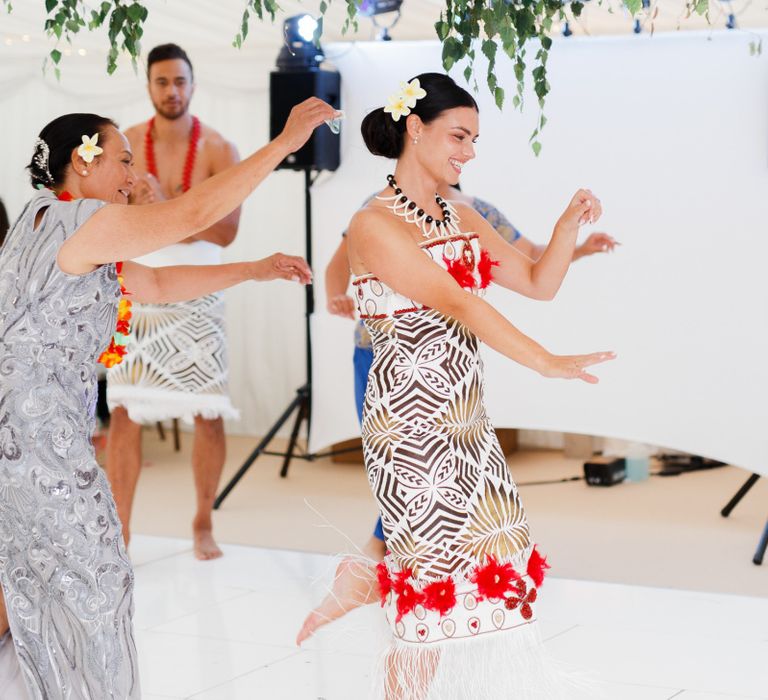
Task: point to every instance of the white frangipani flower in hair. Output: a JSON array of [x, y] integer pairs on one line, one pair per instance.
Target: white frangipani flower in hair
[[397, 107], [88, 150], [412, 92]]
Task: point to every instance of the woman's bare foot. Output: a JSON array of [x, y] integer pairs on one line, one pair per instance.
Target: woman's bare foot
[[355, 585], [205, 546]]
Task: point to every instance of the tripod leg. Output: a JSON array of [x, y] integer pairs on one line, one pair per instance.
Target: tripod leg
[[748, 484], [761, 547], [302, 414], [296, 403]]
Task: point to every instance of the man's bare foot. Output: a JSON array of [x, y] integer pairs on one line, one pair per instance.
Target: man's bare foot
[[355, 585], [205, 546]]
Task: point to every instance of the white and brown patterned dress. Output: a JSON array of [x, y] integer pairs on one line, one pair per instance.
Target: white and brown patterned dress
[[176, 366], [461, 575]]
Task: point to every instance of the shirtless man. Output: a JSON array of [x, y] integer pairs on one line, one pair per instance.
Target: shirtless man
[[176, 366]]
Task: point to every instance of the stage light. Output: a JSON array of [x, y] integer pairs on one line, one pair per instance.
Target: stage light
[[372, 8], [368, 8], [307, 26], [299, 52]]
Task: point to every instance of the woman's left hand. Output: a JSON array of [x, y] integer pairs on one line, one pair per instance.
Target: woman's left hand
[[282, 267]]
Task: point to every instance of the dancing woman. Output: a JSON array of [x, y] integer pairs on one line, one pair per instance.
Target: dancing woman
[[67, 582], [461, 575]]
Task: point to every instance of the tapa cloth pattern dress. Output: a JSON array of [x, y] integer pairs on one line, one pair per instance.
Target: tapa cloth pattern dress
[[67, 581], [460, 579], [176, 365]]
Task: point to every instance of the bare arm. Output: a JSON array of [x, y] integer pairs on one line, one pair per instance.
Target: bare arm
[[163, 285], [390, 254], [539, 279], [121, 232], [336, 283], [529, 248], [223, 232]]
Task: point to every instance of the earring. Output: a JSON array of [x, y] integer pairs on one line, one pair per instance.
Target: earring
[[85, 172], [415, 141]]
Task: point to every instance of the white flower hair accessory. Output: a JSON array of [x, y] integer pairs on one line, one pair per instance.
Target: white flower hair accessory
[[412, 92], [404, 100], [88, 150]]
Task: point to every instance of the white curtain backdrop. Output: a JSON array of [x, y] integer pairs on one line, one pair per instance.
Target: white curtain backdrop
[[670, 132]]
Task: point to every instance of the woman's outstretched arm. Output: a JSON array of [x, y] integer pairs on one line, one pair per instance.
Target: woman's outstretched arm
[[537, 279], [388, 252], [163, 285], [121, 232]]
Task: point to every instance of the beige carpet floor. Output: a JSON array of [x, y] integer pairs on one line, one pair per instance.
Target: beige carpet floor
[[664, 532]]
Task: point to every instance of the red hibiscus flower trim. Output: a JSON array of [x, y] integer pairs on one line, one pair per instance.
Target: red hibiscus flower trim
[[494, 580], [537, 565], [385, 582], [440, 596]]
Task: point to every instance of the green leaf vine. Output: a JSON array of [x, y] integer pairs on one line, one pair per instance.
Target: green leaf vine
[[519, 28]]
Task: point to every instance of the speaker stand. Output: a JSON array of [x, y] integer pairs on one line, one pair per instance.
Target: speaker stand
[[762, 545], [302, 402]]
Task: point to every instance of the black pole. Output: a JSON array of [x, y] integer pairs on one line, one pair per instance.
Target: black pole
[[309, 302], [748, 484]]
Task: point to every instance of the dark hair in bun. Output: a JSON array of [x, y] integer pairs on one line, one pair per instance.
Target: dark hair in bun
[[385, 137], [62, 136]]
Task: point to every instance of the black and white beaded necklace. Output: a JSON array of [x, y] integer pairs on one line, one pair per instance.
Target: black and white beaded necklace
[[412, 213]]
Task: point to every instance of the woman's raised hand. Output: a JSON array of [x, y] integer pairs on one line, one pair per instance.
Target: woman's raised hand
[[584, 208], [282, 267], [342, 305], [304, 118], [573, 366]]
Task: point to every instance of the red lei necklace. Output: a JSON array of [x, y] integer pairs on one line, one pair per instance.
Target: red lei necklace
[[114, 354], [189, 162]]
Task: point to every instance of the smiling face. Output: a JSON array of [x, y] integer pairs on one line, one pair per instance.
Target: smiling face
[[171, 87], [110, 177], [446, 143]]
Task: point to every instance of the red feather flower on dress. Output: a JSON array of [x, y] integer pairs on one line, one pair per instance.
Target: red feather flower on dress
[[484, 268], [460, 272], [493, 580], [407, 596], [385, 582], [536, 567], [440, 596]]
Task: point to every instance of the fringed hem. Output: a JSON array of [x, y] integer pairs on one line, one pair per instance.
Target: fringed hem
[[507, 664], [150, 406]]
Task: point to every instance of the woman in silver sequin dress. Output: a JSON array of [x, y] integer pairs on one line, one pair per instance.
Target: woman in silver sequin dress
[[66, 579]]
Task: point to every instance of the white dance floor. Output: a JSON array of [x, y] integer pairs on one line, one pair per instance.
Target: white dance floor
[[224, 630]]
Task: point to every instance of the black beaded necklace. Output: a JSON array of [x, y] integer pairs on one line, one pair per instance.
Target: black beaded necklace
[[406, 208]]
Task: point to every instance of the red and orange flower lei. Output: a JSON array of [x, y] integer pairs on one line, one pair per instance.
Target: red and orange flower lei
[[115, 353]]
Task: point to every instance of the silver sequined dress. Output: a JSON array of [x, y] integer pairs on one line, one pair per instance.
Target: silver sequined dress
[[67, 581]]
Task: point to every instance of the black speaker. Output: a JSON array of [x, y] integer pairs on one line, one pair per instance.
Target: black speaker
[[286, 90]]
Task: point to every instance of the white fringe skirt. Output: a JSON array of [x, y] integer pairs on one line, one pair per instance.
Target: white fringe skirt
[[471, 647]]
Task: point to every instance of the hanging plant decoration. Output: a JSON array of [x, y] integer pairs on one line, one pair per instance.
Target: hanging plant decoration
[[517, 27]]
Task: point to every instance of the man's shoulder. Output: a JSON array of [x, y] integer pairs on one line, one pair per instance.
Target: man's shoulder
[[135, 133], [214, 139]]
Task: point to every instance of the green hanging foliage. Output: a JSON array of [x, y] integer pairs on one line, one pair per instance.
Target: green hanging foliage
[[516, 27]]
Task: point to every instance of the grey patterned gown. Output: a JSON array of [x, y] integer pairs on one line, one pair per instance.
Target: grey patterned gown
[[67, 581]]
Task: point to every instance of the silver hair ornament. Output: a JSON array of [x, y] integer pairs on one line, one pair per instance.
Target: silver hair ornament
[[41, 159]]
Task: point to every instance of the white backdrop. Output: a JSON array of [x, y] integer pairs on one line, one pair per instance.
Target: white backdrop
[[670, 132]]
